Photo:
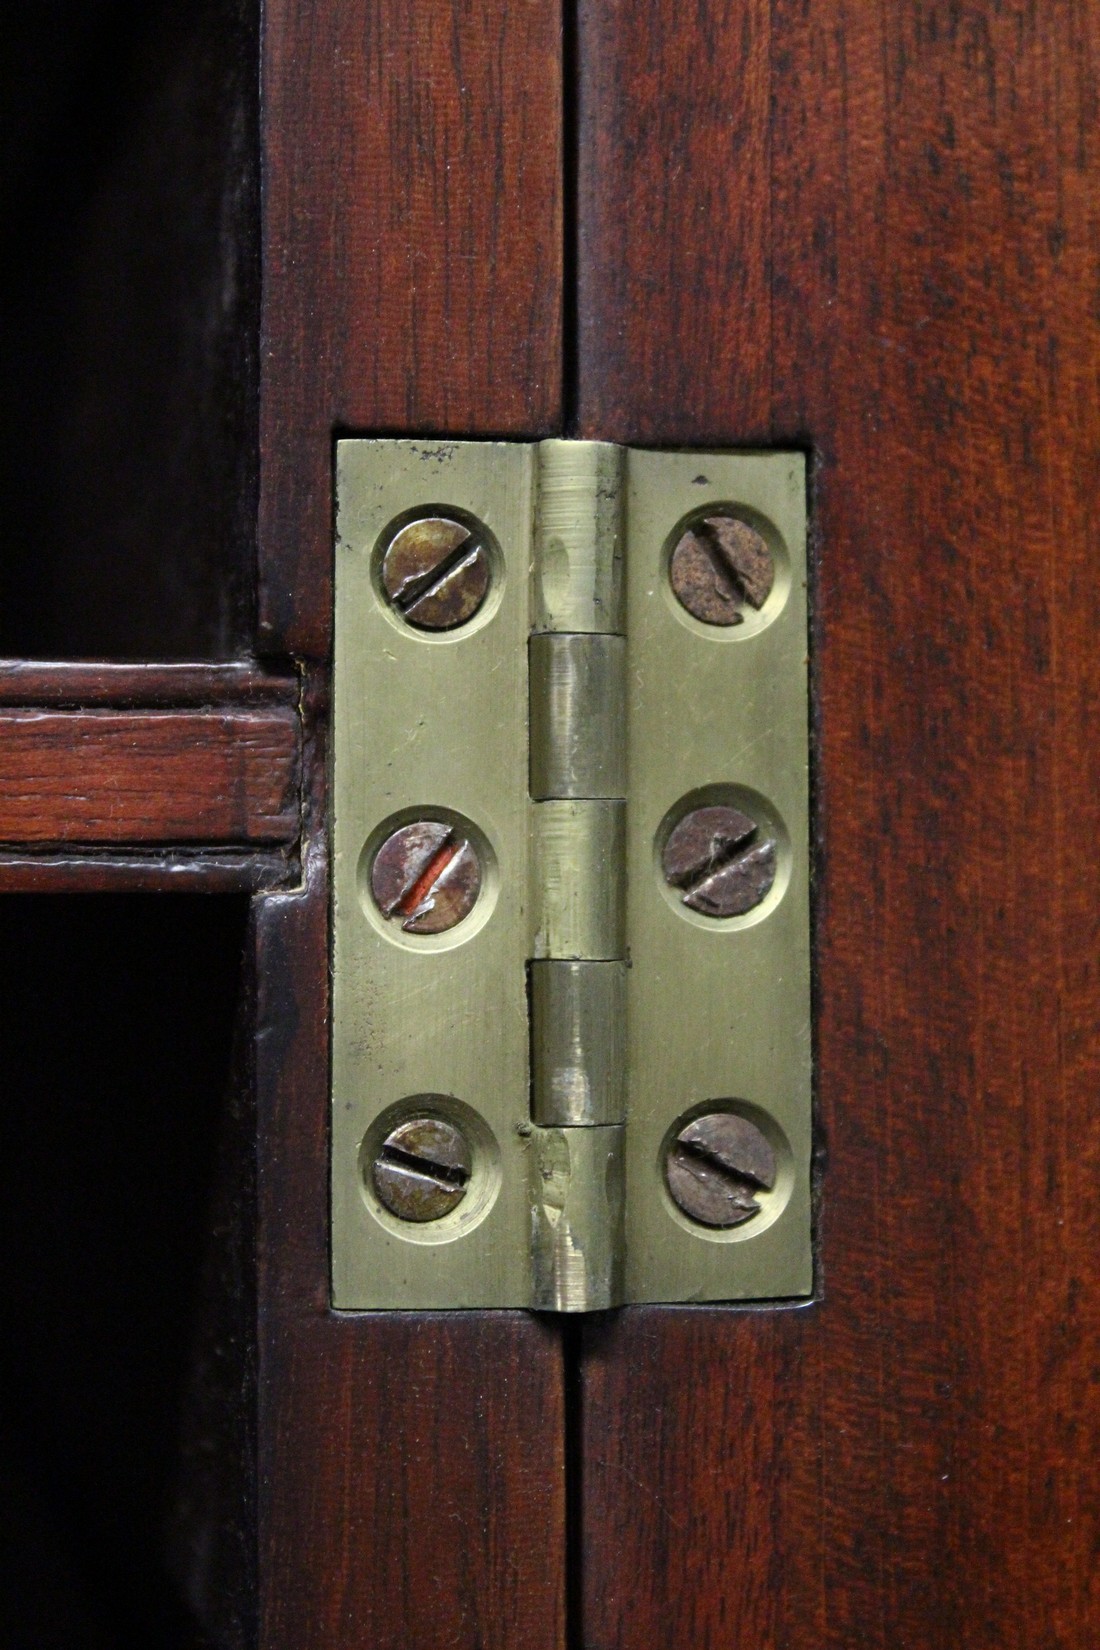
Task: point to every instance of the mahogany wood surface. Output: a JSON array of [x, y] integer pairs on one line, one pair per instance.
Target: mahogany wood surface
[[156, 776], [169, 869], [91, 682], [411, 1466], [412, 253], [872, 230], [120, 832]]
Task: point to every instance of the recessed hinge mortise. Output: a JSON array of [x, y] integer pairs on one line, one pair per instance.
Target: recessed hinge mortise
[[571, 963]]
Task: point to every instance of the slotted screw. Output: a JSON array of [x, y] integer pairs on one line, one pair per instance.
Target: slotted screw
[[435, 572], [720, 566], [426, 876], [715, 1167], [722, 861], [422, 1169]]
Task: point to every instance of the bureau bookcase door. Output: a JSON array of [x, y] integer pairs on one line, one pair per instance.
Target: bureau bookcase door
[[865, 233]]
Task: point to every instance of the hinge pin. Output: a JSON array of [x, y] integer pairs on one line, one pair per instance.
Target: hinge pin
[[578, 785]]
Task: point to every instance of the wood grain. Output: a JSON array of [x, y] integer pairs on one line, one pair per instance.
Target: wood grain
[[168, 869], [174, 777], [412, 253], [86, 683], [872, 230]]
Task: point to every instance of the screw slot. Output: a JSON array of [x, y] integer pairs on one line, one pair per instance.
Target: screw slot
[[723, 860], [715, 1168], [436, 571], [720, 566], [422, 1169], [426, 876]]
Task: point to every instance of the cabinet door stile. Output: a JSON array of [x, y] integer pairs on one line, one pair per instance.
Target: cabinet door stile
[[412, 1472], [867, 231]]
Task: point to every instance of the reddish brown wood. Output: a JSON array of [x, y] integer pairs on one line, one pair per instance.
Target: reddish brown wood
[[412, 252], [166, 870], [130, 686], [144, 777], [872, 229]]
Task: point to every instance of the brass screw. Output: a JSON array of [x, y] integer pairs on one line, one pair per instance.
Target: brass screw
[[435, 573], [426, 876], [720, 566], [720, 858], [715, 1167], [422, 1169]]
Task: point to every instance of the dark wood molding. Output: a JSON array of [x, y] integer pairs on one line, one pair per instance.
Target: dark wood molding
[[147, 777], [91, 683], [166, 777], [166, 870]]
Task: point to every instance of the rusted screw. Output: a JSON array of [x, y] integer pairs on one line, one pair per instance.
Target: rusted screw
[[720, 565], [722, 861], [426, 876], [422, 1169], [436, 573], [716, 1166]]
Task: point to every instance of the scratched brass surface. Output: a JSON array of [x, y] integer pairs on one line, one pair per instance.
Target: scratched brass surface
[[577, 1209], [431, 724], [578, 1036], [436, 726], [577, 727], [717, 1010], [578, 879]]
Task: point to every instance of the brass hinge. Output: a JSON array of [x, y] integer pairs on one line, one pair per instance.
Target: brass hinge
[[571, 1003]]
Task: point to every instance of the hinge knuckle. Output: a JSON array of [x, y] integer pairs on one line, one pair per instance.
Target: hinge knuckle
[[578, 785], [578, 733], [578, 583], [578, 1042], [578, 891], [577, 1222]]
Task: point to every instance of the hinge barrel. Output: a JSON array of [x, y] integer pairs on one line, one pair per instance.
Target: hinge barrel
[[578, 583], [578, 721], [578, 1042], [576, 1235], [578, 785], [578, 892]]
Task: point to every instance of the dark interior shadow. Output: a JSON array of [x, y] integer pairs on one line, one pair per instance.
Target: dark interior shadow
[[116, 1024], [129, 289]]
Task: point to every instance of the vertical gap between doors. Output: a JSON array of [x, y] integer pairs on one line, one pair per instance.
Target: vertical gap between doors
[[572, 1329], [572, 1338], [570, 366]]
